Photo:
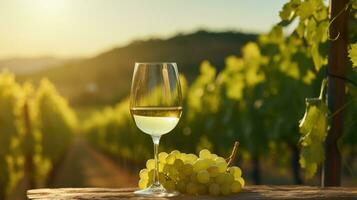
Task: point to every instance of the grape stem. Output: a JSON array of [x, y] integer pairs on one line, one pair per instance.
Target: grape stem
[[230, 160]]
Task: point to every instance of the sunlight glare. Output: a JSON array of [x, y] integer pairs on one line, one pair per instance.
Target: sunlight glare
[[49, 6]]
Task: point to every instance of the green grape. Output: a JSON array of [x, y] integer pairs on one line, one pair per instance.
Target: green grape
[[191, 188], [236, 187], [198, 165], [219, 159], [173, 173], [162, 157], [241, 181], [235, 171], [161, 167], [144, 174], [220, 178], [226, 189], [228, 178], [201, 164], [191, 158], [170, 159], [143, 183], [214, 156], [201, 189], [167, 168], [181, 186], [193, 177], [186, 169], [175, 153], [205, 154], [210, 162], [150, 164], [151, 174], [162, 178], [182, 156], [213, 171], [182, 176], [189, 174], [222, 166], [203, 176], [178, 164], [214, 189], [169, 185]]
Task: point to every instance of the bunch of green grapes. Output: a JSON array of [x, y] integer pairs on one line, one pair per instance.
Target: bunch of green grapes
[[190, 174]]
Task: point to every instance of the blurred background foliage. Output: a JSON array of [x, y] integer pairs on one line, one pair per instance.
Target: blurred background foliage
[[236, 86]]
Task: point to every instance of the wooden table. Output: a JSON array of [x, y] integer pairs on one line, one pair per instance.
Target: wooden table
[[249, 193]]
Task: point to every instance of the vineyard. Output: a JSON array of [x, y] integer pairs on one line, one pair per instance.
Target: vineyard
[[257, 98], [273, 99], [36, 128]]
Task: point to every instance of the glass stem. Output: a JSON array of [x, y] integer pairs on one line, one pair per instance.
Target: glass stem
[[156, 140]]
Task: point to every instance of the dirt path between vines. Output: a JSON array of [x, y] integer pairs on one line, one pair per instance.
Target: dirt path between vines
[[86, 167]]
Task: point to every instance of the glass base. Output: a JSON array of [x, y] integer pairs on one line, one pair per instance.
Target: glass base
[[156, 191]]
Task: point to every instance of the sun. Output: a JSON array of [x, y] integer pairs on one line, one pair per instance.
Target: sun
[[49, 6]]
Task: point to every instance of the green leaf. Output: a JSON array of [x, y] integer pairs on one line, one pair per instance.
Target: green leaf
[[353, 54], [321, 15], [322, 31], [311, 31], [309, 77], [275, 36], [288, 11], [207, 70], [235, 87], [308, 8], [310, 158], [300, 30], [354, 4], [317, 58], [314, 122], [251, 51], [313, 129]]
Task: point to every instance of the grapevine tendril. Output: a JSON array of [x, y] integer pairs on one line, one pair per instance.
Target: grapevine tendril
[[333, 20]]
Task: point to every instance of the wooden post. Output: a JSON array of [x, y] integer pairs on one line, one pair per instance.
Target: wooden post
[[337, 65]]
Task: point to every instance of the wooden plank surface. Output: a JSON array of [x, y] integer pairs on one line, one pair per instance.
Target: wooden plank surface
[[249, 193]]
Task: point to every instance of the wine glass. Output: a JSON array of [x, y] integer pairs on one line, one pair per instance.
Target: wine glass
[[156, 107]]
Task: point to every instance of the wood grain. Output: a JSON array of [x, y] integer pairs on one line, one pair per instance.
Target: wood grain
[[249, 193]]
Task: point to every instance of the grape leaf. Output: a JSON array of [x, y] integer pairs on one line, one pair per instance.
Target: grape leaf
[[251, 51], [207, 69], [311, 157], [311, 31], [322, 31], [314, 123], [308, 8], [235, 87], [354, 4], [353, 54], [309, 77], [300, 29], [321, 15], [318, 59], [313, 129], [288, 11]]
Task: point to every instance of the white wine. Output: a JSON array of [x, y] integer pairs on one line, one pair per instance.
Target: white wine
[[156, 121]]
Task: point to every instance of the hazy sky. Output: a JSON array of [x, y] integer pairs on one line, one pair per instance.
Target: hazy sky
[[71, 28]]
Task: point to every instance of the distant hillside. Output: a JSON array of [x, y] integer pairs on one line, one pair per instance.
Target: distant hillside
[[106, 78], [25, 66]]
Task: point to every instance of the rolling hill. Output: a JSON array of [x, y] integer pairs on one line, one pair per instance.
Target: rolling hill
[[26, 66], [106, 78]]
